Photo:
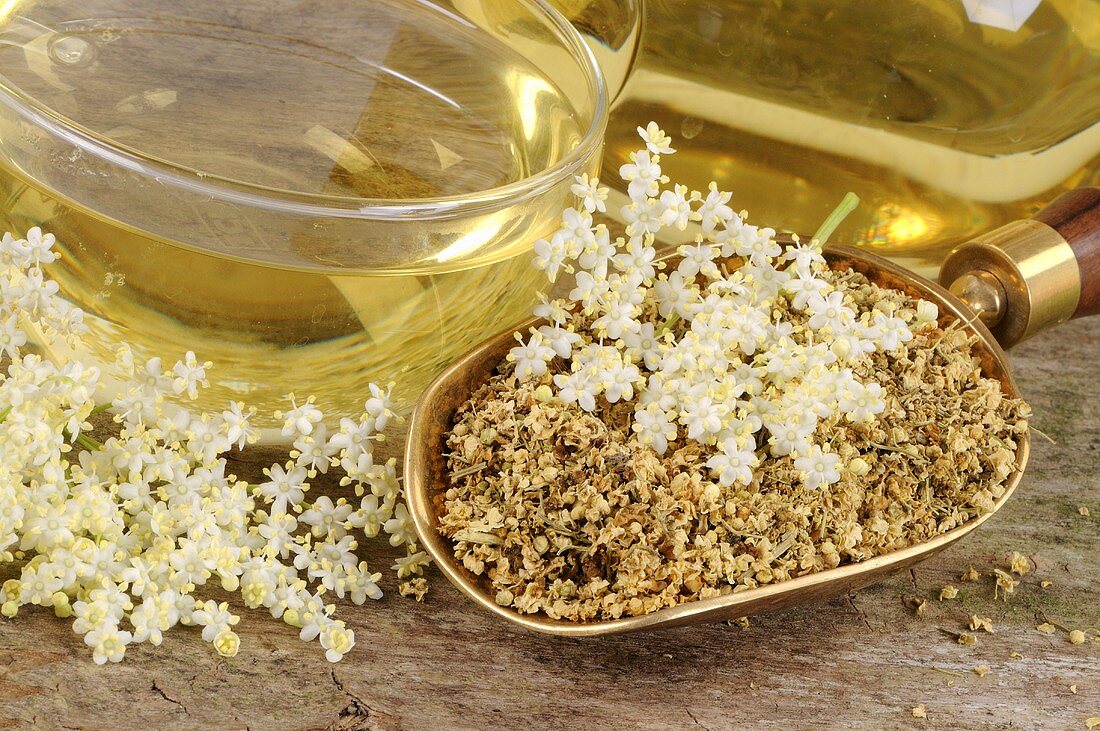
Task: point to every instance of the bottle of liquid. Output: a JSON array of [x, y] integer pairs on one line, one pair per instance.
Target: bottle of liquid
[[946, 117]]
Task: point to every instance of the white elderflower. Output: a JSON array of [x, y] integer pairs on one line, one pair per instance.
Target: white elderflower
[[214, 619], [643, 217], [108, 643], [531, 358], [927, 313], [714, 211], [285, 488], [326, 517], [400, 527], [301, 419], [654, 428], [861, 402], [656, 140], [551, 255], [819, 468], [892, 331], [579, 387], [735, 461], [559, 339], [697, 258], [237, 426], [591, 195], [190, 375], [411, 565], [677, 207], [829, 312]]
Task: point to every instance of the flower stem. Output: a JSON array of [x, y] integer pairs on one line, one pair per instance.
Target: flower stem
[[88, 443], [846, 206]]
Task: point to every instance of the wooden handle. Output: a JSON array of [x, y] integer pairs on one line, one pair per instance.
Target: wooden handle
[[1076, 215], [1029, 275]]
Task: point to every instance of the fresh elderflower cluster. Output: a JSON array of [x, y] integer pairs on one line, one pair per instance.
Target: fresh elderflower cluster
[[125, 536], [706, 351]]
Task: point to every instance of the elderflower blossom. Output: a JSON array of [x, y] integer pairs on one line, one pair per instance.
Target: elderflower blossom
[[744, 345], [127, 536]]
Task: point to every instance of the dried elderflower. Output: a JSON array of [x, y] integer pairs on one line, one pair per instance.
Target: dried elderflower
[[948, 592], [1020, 564], [919, 712], [736, 418], [976, 623], [970, 574], [1005, 585], [981, 670], [917, 603], [1047, 628]]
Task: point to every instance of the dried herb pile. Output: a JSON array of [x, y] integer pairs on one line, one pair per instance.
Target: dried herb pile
[[564, 512]]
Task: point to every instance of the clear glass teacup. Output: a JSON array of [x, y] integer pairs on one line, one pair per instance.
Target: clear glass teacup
[[311, 201]]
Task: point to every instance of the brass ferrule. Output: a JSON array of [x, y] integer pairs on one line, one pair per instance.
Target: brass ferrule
[[1019, 279]]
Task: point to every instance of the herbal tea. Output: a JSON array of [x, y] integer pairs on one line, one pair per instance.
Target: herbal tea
[[945, 127], [268, 330], [312, 203]]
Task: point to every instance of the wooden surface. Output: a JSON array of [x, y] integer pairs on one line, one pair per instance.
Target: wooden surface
[[863, 661]]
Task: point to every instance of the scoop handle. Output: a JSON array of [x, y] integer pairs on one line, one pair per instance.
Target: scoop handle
[[1076, 216], [1029, 275]]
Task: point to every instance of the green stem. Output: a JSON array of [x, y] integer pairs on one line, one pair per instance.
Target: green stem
[[101, 408], [4, 414], [88, 443], [672, 320], [846, 206]]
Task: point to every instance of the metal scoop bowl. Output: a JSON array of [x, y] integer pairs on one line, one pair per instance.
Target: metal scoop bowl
[[1006, 286]]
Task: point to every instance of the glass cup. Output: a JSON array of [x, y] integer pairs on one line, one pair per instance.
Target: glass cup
[[312, 201]]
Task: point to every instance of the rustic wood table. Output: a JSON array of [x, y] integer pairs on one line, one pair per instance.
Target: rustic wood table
[[860, 661]]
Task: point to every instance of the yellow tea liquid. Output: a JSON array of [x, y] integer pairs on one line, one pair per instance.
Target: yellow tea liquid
[[413, 104]]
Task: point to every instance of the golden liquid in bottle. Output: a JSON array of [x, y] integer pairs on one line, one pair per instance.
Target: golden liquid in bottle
[[412, 117], [943, 126]]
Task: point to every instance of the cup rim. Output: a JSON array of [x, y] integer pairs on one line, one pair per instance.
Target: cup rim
[[259, 196]]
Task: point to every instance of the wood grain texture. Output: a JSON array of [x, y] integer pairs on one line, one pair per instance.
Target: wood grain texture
[[858, 661], [1076, 215]]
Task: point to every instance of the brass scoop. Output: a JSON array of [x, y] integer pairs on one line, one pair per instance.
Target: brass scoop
[[1008, 284]]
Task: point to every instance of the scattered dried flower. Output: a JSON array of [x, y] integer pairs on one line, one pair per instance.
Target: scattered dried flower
[[1005, 585], [983, 623], [981, 670], [948, 592], [917, 603], [1046, 583], [415, 588], [1076, 636], [968, 639], [919, 712], [970, 574], [1083, 511], [1047, 628], [1020, 563]]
